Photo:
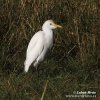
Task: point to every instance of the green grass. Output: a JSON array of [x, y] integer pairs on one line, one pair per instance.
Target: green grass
[[66, 69]]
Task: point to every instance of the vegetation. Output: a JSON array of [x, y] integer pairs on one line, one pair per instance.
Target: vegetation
[[71, 65]]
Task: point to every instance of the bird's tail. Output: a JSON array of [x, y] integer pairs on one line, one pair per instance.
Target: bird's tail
[[26, 67]]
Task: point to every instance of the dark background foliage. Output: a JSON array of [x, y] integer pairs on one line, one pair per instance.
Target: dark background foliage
[[71, 65]]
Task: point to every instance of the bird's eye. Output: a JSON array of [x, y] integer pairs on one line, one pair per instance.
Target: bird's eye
[[50, 23]]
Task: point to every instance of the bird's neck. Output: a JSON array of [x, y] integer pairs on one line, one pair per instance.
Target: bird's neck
[[48, 35], [48, 32]]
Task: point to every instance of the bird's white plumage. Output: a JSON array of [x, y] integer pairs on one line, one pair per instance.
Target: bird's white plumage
[[39, 44]]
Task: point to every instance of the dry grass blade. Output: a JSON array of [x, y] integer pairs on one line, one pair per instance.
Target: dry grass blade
[[44, 90]]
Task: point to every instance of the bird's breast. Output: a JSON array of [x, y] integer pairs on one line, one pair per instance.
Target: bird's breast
[[49, 41]]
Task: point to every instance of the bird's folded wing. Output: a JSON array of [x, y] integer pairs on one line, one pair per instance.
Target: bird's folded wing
[[34, 40], [36, 45]]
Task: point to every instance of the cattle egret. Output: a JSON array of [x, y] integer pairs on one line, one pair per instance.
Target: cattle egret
[[39, 44]]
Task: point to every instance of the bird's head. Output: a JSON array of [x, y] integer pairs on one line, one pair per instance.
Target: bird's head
[[51, 25]]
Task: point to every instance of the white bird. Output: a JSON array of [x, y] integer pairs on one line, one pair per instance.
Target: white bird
[[39, 44]]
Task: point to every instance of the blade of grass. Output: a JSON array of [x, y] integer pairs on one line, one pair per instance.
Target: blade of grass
[[42, 97]]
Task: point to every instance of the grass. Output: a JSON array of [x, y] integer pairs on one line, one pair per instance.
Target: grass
[[66, 69]]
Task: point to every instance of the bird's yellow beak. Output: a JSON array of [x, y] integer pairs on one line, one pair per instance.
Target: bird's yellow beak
[[58, 26]]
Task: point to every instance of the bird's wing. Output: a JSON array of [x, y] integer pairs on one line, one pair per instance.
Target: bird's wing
[[36, 45], [33, 41]]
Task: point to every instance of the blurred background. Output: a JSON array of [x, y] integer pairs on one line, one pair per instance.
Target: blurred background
[[73, 64]]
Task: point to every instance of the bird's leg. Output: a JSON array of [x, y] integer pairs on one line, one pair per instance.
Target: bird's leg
[[37, 70], [36, 63]]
